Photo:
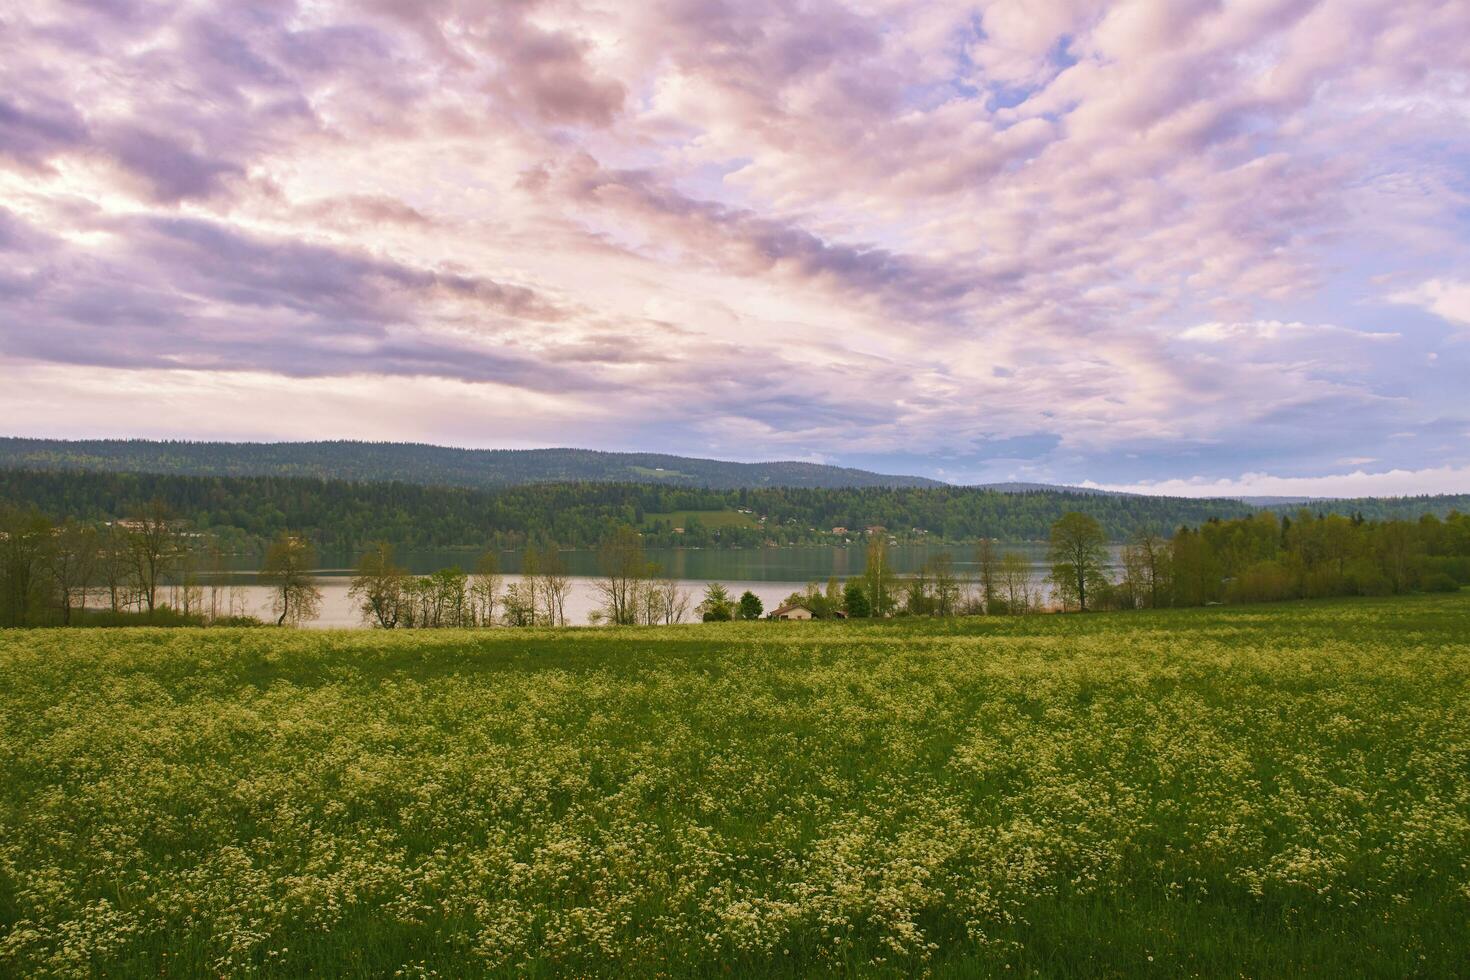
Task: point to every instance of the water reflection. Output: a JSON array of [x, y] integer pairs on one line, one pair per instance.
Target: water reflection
[[788, 564]]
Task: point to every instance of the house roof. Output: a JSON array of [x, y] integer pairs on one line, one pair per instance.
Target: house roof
[[788, 608]]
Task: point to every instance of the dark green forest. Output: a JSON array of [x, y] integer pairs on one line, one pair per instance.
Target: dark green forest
[[243, 512], [339, 514]]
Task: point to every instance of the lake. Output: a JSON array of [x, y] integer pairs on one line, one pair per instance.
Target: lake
[[787, 564], [771, 573]]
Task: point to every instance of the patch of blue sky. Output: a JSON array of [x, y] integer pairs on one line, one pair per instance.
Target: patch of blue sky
[[710, 181]]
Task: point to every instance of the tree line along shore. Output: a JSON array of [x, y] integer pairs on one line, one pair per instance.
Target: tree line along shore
[[244, 514], [155, 568]]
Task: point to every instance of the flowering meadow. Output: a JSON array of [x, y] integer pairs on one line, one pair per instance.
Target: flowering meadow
[[1258, 791]]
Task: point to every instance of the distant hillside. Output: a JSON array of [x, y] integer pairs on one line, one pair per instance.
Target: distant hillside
[[64, 477], [427, 465], [1381, 508]]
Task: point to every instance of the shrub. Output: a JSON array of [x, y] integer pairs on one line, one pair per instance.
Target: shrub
[[1439, 582], [237, 621], [1265, 581]]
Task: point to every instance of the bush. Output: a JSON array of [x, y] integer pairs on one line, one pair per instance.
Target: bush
[[1439, 582], [1265, 581], [1366, 578], [237, 621], [161, 616], [1456, 568]]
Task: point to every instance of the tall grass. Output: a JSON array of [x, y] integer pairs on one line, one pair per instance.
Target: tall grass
[[1260, 791]]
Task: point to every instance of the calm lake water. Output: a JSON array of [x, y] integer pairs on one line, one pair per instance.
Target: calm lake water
[[771, 573], [792, 564]]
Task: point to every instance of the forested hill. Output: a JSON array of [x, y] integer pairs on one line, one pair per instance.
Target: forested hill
[[427, 465], [1381, 508], [345, 514], [338, 514]]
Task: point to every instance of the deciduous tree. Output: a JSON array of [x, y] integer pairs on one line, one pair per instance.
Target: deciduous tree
[[986, 560], [378, 587], [25, 536], [154, 546], [485, 588], [623, 565], [1077, 555], [71, 559], [555, 586], [717, 606], [1013, 578], [287, 571], [878, 577]]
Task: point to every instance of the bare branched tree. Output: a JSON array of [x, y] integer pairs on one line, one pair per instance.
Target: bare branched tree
[[555, 586], [485, 588], [623, 566], [674, 601], [153, 545]]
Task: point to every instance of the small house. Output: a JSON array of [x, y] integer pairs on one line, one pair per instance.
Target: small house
[[793, 611]]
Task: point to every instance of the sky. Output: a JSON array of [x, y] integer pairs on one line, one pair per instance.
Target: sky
[[1174, 246]]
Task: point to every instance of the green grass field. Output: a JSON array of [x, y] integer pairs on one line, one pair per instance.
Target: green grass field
[[1255, 791]]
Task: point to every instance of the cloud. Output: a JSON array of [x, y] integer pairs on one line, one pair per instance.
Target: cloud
[[1447, 299], [1168, 235], [1275, 330], [31, 134], [742, 242], [191, 293], [171, 171], [364, 209], [530, 67], [1356, 483]]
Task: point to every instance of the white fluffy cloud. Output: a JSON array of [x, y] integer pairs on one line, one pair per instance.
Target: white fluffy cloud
[[1353, 483], [1447, 299]]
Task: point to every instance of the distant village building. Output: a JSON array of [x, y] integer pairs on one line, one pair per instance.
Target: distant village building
[[875, 529], [793, 611], [839, 530]]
